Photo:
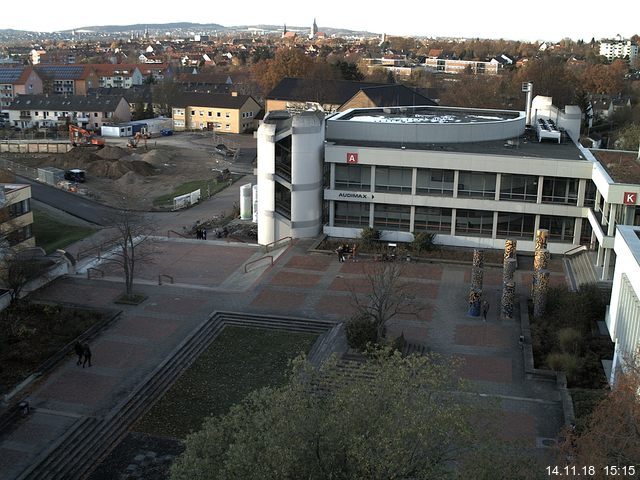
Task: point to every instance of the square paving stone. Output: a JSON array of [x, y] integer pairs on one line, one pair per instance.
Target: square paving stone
[[310, 262], [295, 279], [113, 354], [145, 327], [279, 300], [485, 335], [487, 368], [341, 305], [79, 386]]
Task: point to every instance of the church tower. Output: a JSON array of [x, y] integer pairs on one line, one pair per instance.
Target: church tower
[[314, 29]]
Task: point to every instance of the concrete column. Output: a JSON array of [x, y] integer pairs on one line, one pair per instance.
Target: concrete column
[[605, 213], [611, 230], [494, 227], [453, 221], [412, 216], [373, 179], [592, 242], [599, 256], [597, 200], [456, 178], [582, 188], [332, 212], [372, 207], [332, 177], [577, 230], [540, 184], [536, 226], [606, 264], [498, 181], [414, 181]]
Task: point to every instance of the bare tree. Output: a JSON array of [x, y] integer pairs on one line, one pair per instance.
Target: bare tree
[[16, 270], [387, 296], [132, 244]]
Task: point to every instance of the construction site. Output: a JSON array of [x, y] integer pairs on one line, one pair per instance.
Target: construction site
[[144, 169]]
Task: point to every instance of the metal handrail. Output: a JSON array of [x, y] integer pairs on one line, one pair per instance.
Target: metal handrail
[[266, 247], [574, 250], [164, 275], [270, 257], [177, 233]]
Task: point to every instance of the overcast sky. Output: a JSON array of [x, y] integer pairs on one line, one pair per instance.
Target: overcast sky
[[508, 19]]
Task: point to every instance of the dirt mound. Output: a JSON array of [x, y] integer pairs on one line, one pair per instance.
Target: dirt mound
[[142, 168], [115, 169], [112, 153], [129, 178], [157, 157]]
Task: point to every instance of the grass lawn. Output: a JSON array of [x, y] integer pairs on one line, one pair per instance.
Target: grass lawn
[[214, 187], [33, 333], [51, 234], [239, 361]]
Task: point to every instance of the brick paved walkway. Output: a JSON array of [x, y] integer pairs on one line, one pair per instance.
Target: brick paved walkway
[[299, 284]]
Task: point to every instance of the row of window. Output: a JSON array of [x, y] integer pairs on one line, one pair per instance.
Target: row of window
[[521, 188], [439, 220]]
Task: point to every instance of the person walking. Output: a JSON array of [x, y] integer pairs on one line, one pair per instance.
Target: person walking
[[485, 310], [340, 253]]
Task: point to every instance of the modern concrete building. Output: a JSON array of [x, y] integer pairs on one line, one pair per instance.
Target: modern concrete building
[[16, 217], [623, 315], [290, 176], [474, 177]]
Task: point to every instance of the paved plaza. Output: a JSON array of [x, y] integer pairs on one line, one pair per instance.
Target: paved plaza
[[210, 276]]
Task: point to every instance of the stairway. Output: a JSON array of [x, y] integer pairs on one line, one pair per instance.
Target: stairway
[[90, 439], [580, 269]]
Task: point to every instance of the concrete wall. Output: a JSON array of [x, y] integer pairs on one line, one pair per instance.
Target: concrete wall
[[25, 146]]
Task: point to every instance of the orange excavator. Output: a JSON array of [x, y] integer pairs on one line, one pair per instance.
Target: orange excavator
[[133, 142], [79, 137]]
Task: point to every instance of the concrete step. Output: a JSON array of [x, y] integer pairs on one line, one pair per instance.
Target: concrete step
[[84, 446]]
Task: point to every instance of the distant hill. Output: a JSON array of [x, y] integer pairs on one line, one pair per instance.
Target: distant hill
[[152, 26]]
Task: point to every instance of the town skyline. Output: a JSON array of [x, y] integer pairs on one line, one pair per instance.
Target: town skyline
[[460, 19]]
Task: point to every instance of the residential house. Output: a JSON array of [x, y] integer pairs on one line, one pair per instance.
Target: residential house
[[118, 76], [452, 65], [16, 218], [157, 71], [67, 79], [19, 80], [90, 112], [217, 112], [298, 94]]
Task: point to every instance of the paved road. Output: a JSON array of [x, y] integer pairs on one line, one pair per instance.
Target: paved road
[[68, 202]]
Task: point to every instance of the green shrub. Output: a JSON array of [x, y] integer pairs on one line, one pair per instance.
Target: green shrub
[[570, 340], [423, 242], [360, 331], [369, 236], [564, 362]]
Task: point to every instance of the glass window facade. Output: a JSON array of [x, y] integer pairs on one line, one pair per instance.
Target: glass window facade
[[515, 225], [521, 188], [351, 214], [590, 194], [477, 184], [560, 190], [353, 177], [283, 200], [432, 219], [392, 217], [434, 182], [474, 222], [393, 179], [560, 228]]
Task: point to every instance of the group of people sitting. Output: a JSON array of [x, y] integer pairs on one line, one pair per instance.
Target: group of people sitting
[[345, 251]]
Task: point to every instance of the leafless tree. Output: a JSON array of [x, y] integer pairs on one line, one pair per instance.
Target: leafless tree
[[133, 247], [387, 295]]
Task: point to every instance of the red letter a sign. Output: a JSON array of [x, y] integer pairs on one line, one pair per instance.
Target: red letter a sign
[[352, 158]]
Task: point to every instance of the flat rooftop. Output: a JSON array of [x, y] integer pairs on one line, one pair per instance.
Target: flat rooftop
[[427, 115], [525, 146], [622, 166]]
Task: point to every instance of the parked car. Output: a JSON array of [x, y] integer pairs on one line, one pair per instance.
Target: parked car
[[75, 175], [166, 132], [222, 149]]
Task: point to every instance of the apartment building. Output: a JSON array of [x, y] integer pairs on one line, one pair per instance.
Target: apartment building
[[90, 112], [67, 79], [216, 112], [118, 75], [619, 48], [17, 80]]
